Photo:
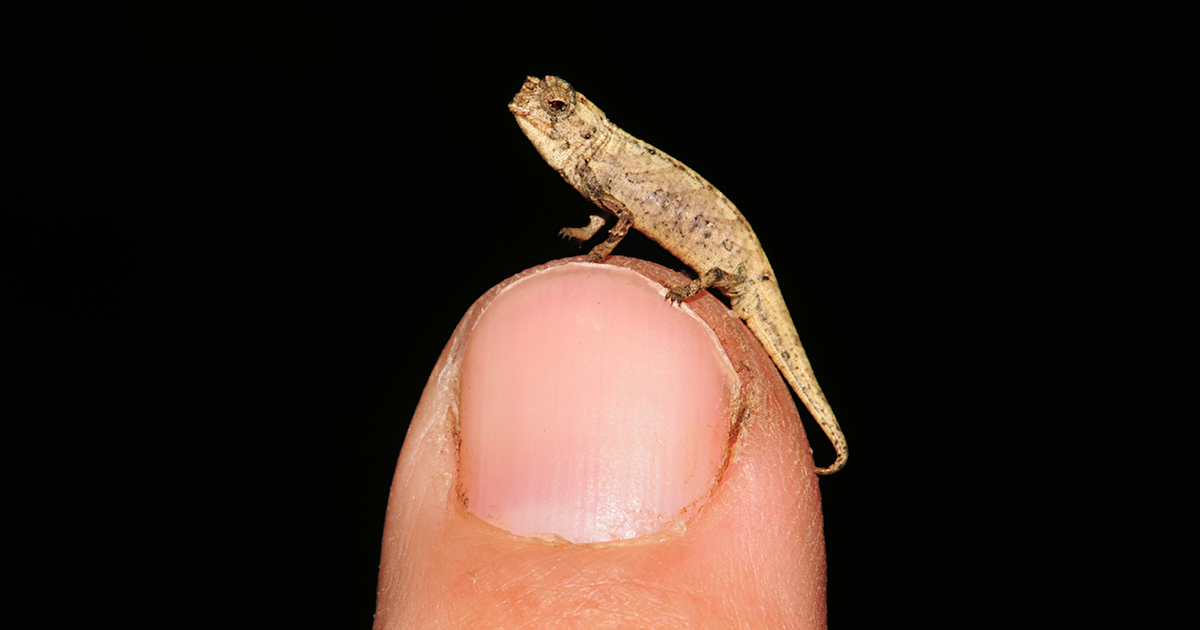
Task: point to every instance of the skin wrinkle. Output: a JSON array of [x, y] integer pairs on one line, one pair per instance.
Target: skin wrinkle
[[604, 591]]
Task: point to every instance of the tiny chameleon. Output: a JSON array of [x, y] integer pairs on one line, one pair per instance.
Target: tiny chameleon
[[653, 193]]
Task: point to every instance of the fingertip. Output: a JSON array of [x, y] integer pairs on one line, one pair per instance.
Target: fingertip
[[752, 549]]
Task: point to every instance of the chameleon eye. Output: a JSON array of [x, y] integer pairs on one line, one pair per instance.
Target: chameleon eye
[[558, 100]]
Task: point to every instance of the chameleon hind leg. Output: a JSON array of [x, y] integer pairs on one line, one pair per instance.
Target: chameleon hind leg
[[728, 283]]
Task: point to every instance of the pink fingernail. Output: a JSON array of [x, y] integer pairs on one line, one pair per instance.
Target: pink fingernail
[[591, 408]]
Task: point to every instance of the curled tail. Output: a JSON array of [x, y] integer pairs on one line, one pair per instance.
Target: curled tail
[[801, 378], [788, 354]]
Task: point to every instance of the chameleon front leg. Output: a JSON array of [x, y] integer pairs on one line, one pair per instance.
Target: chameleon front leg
[[729, 283], [585, 233], [618, 231]]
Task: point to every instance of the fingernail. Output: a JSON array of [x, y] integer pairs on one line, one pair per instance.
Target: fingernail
[[591, 408]]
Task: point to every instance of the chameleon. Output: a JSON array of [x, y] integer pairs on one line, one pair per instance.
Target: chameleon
[[657, 195]]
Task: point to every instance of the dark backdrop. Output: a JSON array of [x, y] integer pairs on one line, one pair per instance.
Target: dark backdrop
[[241, 234]]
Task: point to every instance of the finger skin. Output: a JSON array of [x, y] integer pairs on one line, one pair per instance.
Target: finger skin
[[752, 557]]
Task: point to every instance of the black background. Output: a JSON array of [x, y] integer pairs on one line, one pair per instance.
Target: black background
[[242, 233]]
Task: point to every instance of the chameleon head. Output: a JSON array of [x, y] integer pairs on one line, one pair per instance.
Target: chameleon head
[[559, 121]]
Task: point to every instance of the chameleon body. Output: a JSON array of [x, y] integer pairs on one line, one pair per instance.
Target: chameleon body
[[649, 191]]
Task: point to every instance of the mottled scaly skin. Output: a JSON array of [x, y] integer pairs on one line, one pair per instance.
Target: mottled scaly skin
[[653, 193]]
